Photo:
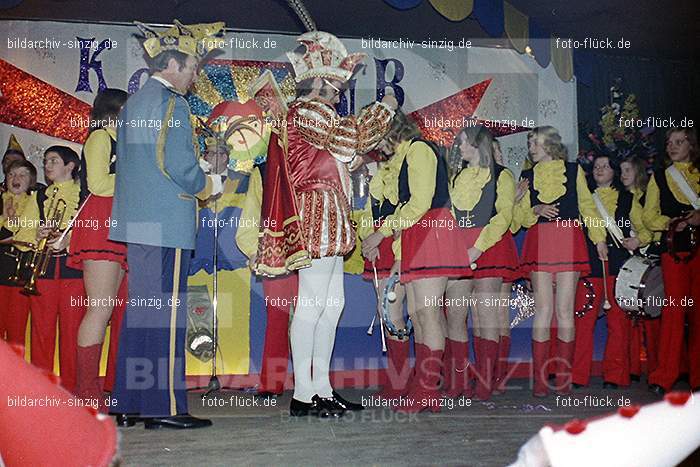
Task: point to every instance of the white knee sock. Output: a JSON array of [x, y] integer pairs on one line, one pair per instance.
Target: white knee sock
[[324, 337]]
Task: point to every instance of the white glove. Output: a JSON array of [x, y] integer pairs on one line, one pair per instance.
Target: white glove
[[205, 166], [217, 184]]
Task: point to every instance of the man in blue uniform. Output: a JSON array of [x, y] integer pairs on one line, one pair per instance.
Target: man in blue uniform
[[155, 213]]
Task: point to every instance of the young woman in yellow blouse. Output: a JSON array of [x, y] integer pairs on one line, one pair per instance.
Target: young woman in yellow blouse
[[633, 175], [667, 202], [626, 212], [102, 261], [17, 234], [555, 249], [383, 201], [482, 195], [423, 219]]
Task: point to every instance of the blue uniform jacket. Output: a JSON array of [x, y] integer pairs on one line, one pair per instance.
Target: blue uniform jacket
[[157, 172]]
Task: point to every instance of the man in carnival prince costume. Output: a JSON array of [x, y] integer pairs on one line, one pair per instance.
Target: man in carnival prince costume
[[310, 191]]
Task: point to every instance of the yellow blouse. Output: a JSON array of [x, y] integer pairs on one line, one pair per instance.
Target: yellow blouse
[[464, 197], [551, 185], [422, 170], [98, 152], [609, 197], [653, 219], [249, 223], [24, 225]]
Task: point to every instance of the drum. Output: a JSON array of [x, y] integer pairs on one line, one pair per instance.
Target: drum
[[639, 287]]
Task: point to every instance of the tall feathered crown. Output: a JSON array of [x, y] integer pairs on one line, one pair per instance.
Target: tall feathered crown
[[325, 57], [195, 39]]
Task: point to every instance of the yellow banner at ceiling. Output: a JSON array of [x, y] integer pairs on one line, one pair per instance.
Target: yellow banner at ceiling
[[517, 26], [563, 60], [454, 10]]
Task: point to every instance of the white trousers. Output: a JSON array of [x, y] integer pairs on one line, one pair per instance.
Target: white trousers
[[312, 334]]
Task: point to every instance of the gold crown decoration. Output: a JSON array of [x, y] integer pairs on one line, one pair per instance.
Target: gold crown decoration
[[325, 57], [195, 39], [13, 145]]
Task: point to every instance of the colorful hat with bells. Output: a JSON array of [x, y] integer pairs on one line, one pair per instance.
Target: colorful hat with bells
[[196, 39], [325, 57]]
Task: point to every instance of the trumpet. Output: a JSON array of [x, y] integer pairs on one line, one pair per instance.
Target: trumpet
[[41, 255]]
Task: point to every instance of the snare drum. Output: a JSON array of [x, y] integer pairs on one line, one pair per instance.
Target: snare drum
[[639, 287]]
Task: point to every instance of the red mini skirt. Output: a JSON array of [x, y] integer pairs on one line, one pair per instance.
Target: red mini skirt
[[90, 237], [501, 260], [384, 263], [553, 247], [428, 248]]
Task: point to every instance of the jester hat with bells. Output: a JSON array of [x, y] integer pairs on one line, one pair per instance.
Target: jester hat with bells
[[195, 39], [325, 57], [13, 145]]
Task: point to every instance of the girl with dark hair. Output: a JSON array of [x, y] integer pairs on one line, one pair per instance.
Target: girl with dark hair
[[17, 235], [423, 220], [482, 195], [554, 250], [617, 206], [60, 293], [673, 209], [102, 261]]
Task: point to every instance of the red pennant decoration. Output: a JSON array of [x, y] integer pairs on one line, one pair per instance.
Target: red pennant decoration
[[441, 121]]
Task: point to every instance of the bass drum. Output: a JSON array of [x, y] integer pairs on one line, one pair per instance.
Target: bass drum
[[639, 287]]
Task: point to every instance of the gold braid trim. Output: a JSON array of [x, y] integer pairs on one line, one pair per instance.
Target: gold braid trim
[[160, 144]]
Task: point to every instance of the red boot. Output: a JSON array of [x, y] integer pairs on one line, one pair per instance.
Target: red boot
[[485, 364], [501, 365], [397, 371], [565, 357], [88, 371], [448, 364], [426, 395], [459, 372], [540, 354]]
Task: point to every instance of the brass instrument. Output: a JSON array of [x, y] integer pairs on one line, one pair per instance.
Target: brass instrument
[[21, 258], [41, 255]]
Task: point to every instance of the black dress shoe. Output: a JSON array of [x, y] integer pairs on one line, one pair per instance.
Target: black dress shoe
[[346, 404], [178, 422], [328, 407], [265, 395], [656, 389], [302, 409], [635, 378], [124, 420], [609, 385]]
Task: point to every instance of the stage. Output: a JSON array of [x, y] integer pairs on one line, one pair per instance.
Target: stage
[[483, 434]]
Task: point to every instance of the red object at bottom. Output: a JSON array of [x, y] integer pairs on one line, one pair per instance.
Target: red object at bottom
[[42, 426]]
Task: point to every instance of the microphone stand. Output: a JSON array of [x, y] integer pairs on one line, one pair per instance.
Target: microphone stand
[[214, 383]]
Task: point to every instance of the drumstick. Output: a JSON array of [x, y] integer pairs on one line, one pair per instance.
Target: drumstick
[[381, 318], [606, 303]]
